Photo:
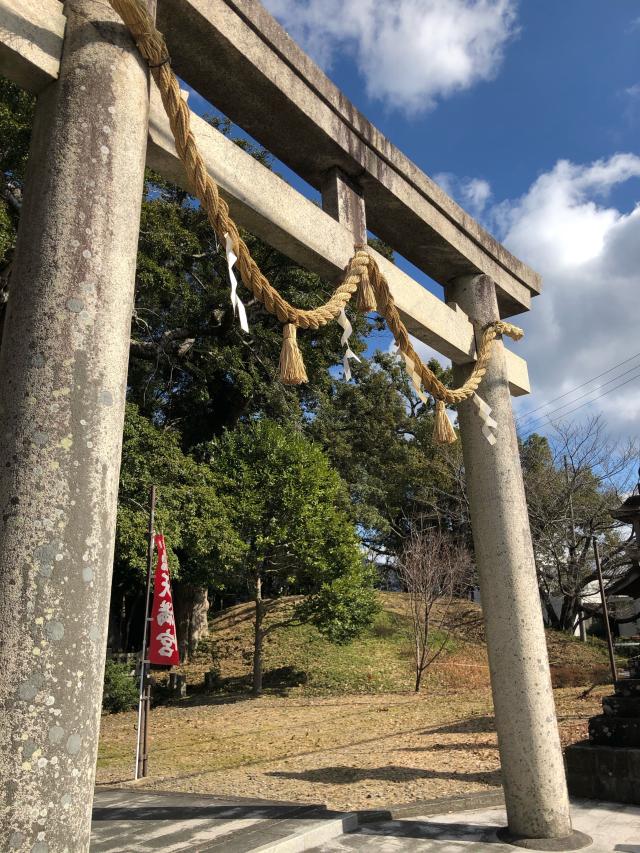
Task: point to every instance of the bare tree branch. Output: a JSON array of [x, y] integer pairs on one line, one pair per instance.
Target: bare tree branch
[[432, 568]]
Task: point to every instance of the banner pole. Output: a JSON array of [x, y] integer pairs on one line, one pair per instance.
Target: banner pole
[[144, 695], [605, 612]]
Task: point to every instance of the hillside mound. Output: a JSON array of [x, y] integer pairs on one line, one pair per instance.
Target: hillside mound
[[299, 660]]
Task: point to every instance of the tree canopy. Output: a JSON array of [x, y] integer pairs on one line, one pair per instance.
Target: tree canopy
[[289, 509]]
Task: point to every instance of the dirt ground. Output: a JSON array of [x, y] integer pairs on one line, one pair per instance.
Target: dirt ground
[[360, 751]]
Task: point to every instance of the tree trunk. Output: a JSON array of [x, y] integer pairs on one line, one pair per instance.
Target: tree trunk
[[116, 619], [569, 612], [258, 638], [191, 608], [422, 649], [552, 616]]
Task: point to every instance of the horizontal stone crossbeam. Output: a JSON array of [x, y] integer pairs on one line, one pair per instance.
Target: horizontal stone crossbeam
[[259, 199], [31, 34], [271, 209], [238, 57]]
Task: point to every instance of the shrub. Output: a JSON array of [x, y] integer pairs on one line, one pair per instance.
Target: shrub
[[574, 675], [386, 626], [285, 676], [120, 688]]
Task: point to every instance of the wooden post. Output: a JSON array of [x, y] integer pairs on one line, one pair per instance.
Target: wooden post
[[605, 612], [63, 370], [144, 701]]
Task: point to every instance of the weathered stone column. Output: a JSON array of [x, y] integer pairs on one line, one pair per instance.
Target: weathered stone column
[[63, 367], [530, 753]]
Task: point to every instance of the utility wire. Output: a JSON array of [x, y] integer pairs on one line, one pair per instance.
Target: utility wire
[[586, 403], [588, 393], [525, 415]]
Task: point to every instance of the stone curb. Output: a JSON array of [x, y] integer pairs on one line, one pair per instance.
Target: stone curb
[[441, 805], [306, 839]]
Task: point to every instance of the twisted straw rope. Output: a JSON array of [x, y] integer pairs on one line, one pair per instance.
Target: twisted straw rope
[[153, 48]]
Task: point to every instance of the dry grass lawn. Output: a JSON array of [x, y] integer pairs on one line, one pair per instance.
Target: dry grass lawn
[[347, 752], [352, 734]]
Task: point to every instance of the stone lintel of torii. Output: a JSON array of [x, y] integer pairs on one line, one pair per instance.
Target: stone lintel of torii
[[63, 365]]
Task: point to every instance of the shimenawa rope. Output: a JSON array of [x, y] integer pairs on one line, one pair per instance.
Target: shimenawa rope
[[362, 274]]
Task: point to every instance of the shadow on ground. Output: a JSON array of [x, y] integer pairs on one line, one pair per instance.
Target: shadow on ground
[[446, 747], [275, 682], [344, 775], [428, 829], [471, 724], [208, 812]]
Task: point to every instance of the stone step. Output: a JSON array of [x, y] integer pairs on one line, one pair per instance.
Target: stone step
[[603, 772], [628, 687], [146, 821], [614, 731], [621, 706]]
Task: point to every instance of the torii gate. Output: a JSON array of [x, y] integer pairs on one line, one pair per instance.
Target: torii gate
[[63, 365]]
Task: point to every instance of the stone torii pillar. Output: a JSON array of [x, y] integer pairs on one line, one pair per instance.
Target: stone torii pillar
[[530, 752], [63, 368]]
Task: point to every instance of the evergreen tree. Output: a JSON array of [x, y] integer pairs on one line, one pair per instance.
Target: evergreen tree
[[290, 510], [378, 435]]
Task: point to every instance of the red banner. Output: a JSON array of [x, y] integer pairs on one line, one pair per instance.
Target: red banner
[[163, 643]]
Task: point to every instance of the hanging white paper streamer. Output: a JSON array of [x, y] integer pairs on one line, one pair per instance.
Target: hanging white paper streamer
[[343, 320], [414, 376], [489, 424], [238, 307]]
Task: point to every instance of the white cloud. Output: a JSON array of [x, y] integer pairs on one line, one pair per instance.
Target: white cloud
[[587, 317], [477, 193], [410, 52], [472, 194]]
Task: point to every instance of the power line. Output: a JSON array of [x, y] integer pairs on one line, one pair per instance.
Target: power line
[[592, 391], [526, 415], [586, 403]]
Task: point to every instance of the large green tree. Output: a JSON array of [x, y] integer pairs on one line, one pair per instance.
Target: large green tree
[[290, 510], [193, 374], [201, 540], [378, 435]]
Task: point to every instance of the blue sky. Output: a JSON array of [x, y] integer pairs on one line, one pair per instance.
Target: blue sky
[[528, 113], [560, 92]]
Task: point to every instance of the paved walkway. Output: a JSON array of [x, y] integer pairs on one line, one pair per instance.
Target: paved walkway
[[143, 821], [614, 829], [139, 821]]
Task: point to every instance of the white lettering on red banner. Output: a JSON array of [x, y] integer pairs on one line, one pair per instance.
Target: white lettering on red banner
[[163, 645]]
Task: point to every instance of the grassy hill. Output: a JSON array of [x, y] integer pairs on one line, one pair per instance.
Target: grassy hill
[[299, 661]]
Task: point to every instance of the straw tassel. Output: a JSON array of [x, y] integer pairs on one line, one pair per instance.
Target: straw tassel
[[292, 370], [365, 296], [443, 432]]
